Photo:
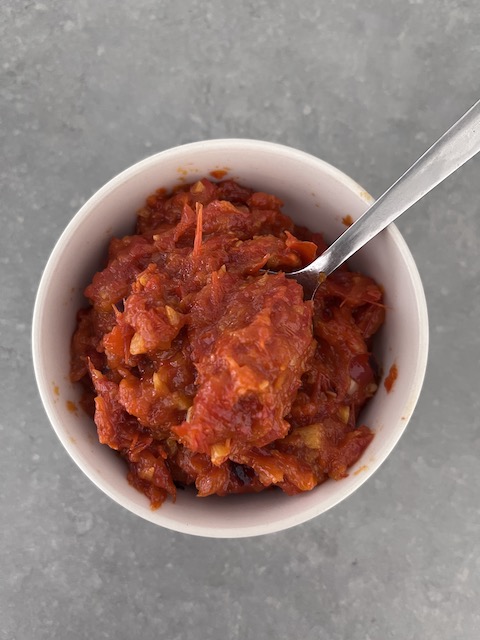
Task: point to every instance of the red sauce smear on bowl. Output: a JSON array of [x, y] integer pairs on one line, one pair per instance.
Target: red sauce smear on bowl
[[391, 378], [200, 369]]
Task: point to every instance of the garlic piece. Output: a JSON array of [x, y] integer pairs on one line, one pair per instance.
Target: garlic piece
[[137, 345]]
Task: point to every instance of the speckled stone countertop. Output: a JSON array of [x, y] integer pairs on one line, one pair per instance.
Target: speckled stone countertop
[[88, 88]]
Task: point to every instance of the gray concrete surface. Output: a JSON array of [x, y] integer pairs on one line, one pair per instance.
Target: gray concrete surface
[[87, 88]]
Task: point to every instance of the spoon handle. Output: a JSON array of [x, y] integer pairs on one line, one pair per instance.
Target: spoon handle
[[460, 143]]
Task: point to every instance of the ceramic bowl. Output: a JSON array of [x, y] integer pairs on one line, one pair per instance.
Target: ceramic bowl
[[316, 195]]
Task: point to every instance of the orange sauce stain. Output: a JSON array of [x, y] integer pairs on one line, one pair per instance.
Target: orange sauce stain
[[56, 390], [390, 379], [366, 196], [72, 407], [218, 174], [360, 469], [182, 171], [347, 220]]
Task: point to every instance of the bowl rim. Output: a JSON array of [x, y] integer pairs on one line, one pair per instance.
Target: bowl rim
[[124, 177]]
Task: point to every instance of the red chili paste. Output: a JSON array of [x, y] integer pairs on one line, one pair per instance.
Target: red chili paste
[[200, 369], [391, 378]]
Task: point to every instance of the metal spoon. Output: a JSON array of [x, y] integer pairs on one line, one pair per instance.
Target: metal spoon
[[460, 143]]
